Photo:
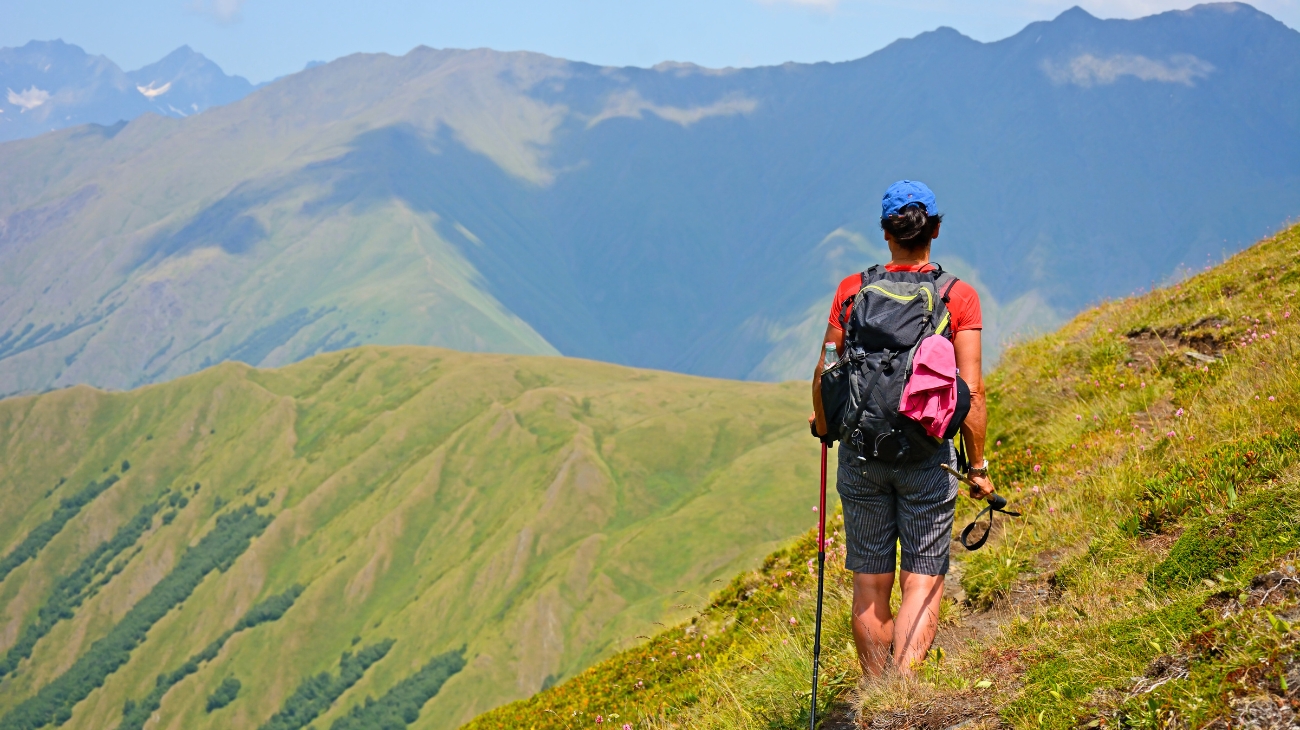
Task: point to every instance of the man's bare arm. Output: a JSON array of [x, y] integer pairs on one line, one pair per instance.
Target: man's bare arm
[[968, 345]]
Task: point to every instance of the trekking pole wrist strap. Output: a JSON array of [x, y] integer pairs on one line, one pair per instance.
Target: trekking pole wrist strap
[[996, 504]]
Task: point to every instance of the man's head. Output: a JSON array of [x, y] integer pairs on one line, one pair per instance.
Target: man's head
[[909, 215]]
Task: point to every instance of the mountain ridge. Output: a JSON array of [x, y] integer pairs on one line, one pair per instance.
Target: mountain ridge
[[629, 215]]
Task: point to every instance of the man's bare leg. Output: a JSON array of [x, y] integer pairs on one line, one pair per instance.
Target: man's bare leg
[[873, 622], [918, 618]]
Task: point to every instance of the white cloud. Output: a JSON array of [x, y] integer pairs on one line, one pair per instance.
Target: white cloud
[[223, 11], [1089, 70], [150, 92], [814, 4], [29, 99]]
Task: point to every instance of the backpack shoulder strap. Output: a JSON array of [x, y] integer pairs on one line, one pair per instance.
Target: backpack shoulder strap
[[943, 284], [846, 306]]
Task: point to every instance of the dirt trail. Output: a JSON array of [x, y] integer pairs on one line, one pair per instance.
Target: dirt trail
[[968, 710]]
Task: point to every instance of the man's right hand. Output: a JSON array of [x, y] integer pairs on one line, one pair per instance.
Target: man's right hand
[[812, 427]]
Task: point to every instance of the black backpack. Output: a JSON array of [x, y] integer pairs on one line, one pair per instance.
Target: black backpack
[[884, 324]]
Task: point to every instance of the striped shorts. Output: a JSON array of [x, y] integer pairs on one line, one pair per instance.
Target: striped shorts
[[883, 507]]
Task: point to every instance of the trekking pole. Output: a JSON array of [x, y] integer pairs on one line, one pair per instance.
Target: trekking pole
[[996, 503], [821, 573]]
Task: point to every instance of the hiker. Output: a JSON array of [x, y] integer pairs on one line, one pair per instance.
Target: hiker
[[898, 497]]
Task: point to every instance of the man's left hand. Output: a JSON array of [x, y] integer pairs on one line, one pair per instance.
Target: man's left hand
[[985, 487]]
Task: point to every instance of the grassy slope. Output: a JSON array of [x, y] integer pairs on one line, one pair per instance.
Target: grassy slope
[[1150, 480], [540, 510]]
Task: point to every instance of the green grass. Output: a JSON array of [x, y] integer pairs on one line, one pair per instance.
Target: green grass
[[540, 512], [1151, 482]]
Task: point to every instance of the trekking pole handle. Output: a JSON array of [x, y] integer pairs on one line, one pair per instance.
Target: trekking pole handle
[[995, 500]]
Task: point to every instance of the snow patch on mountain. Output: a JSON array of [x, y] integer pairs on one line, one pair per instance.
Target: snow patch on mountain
[[1088, 70], [150, 92], [29, 99], [631, 104]]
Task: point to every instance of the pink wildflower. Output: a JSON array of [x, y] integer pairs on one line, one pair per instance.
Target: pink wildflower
[[1271, 399], [1178, 412], [1051, 510], [1035, 489], [697, 656], [599, 719], [793, 621], [999, 443], [1077, 417], [626, 726], [1171, 434], [814, 508], [1038, 468]]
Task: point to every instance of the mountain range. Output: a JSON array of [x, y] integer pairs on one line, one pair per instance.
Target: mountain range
[[51, 85], [676, 217]]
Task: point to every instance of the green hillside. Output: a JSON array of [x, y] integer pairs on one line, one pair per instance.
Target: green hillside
[[1153, 445], [245, 548]]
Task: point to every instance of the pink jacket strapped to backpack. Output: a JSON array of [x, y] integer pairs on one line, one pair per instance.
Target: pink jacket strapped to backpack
[[930, 396]]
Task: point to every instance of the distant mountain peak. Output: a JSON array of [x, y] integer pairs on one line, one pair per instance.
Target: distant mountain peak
[[1075, 14], [50, 84]]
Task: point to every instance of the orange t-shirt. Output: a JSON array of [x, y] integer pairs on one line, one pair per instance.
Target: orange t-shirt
[[963, 301]]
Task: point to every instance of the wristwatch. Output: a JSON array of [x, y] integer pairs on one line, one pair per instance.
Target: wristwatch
[[979, 471]]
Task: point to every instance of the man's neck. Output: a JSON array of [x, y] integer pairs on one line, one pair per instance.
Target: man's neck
[[903, 257], [913, 261]]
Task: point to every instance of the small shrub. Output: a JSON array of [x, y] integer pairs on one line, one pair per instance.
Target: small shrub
[[225, 694]]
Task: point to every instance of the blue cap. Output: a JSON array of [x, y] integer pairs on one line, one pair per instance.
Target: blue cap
[[906, 192]]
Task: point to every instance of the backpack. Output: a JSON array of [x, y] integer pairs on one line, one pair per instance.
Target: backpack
[[884, 325]]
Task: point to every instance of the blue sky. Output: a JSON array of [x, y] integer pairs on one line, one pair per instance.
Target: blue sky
[[262, 39]]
